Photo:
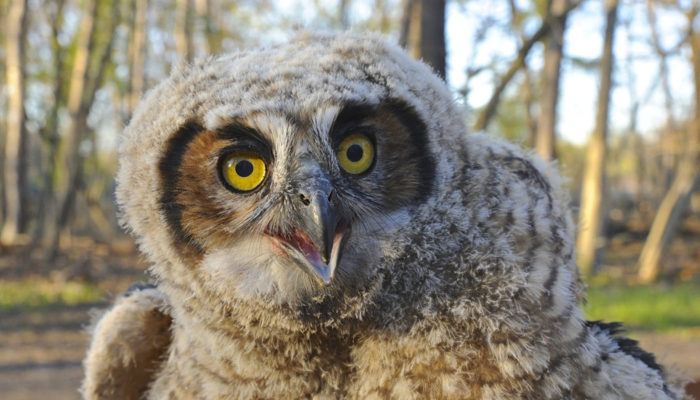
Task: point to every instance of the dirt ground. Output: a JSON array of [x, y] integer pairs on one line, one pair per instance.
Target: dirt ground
[[41, 348]]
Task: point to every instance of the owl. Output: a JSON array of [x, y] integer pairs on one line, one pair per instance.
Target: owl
[[320, 225]]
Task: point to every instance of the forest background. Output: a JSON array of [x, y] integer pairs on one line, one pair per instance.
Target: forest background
[[609, 89]]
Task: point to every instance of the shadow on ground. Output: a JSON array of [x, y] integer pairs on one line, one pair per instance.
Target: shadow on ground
[[42, 349]]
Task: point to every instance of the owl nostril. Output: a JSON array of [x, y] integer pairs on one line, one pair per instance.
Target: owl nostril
[[331, 194], [304, 199]]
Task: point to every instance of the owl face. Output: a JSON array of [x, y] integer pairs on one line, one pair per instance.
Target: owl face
[[288, 174], [292, 204]]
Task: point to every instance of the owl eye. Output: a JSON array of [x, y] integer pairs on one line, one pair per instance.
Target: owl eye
[[243, 171], [356, 154]]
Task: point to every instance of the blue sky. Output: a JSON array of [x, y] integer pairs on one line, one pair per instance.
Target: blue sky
[[583, 40]]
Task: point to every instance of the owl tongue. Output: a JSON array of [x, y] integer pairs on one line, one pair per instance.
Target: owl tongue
[[314, 257], [312, 254], [304, 252]]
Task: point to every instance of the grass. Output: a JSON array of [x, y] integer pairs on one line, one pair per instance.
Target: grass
[[33, 293], [647, 308]]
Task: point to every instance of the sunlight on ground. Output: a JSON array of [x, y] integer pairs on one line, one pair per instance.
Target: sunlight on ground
[[647, 308], [33, 293]]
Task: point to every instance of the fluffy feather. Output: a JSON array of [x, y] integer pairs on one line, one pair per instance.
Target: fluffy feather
[[457, 280]]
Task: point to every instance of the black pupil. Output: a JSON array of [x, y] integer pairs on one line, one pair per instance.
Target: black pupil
[[355, 153], [244, 168]]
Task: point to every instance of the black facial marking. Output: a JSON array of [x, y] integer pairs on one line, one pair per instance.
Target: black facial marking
[[355, 153], [351, 116], [415, 154], [419, 136], [169, 167], [237, 132], [244, 168]]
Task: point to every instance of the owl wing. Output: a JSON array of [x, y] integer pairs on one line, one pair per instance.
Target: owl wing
[[128, 344]]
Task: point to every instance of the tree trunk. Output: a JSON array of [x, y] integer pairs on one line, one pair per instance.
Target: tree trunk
[[526, 89], [490, 109], [50, 136], [551, 72], [528, 99], [183, 29], [212, 26], [16, 141], [669, 157], [137, 54], [593, 188], [76, 94], [687, 179], [81, 95], [344, 14], [423, 32], [384, 7]]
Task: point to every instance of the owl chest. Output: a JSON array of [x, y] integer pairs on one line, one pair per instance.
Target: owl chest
[[417, 368], [247, 368]]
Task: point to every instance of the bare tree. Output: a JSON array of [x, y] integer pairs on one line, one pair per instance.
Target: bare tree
[[671, 134], [344, 14], [593, 190], [686, 180], [183, 29], [384, 22], [81, 95], [527, 87], [50, 134], [423, 32], [137, 51], [551, 72], [16, 141], [209, 11], [490, 109]]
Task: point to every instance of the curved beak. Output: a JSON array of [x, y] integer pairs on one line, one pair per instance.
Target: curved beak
[[318, 220], [318, 240]]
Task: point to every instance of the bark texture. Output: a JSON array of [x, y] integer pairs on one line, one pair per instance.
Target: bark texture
[[592, 211], [423, 32], [137, 50], [491, 107], [686, 181], [183, 29], [81, 95], [551, 73], [16, 140]]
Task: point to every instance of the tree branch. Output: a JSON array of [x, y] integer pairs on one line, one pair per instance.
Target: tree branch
[[490, 110]]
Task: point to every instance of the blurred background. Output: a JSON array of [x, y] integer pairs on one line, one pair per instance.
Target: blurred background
[[609, 89]]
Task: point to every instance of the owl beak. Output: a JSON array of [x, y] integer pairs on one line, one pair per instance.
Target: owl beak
[[316, 243], [318, 221]]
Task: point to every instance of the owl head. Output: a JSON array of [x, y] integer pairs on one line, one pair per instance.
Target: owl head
[[288, 174]]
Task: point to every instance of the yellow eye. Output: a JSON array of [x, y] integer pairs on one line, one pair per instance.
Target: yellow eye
[[356, 153], [243, 171]]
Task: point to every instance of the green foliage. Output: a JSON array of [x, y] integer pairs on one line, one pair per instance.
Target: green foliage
[[658, 308], [32, 293]]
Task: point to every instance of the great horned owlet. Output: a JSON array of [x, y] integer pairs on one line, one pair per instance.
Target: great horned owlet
[[320, 225]]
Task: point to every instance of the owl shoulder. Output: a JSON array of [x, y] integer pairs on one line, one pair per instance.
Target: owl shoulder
[[497, 168], [128, 344]]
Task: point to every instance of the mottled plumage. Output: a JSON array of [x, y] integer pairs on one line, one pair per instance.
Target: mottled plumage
[[449, 260]]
